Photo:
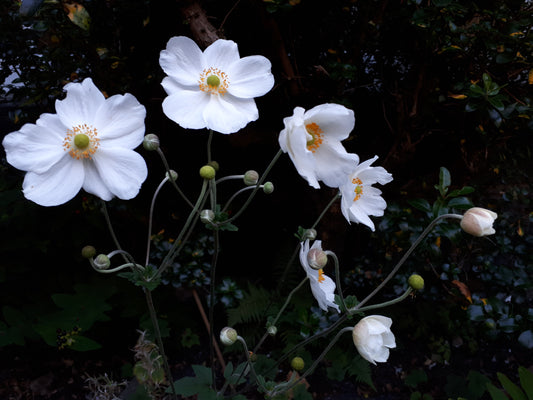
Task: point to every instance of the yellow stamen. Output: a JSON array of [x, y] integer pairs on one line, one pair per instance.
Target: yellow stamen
[[81, 141], [316, 136], [321, 276], [358, 188], [214, 81]]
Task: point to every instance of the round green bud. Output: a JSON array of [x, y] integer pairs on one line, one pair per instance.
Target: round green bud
[[228, 336], [213, 80], [250, 178], [172, 175], [416, 282], [207, 172], [272, 330], [102, 262], [268, 187], [151, 142], [214, 164], [298, 363], [88, 252], [207, 216], [81, 141]]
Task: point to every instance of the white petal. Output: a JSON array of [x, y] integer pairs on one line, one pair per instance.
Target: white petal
[[334, 166], [186, 108], [182, 60], [93, 182], [336, 121], [81, 104], [121, 170], [250, 77], [57, 185], [120, 122], [36, 147], [228, 114], [221, 54]]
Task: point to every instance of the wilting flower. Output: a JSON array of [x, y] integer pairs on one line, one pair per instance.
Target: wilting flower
[[322, 286], [359, 198], [88, 144], [313, 140], [373, 338], [214, 89], [478, 221]]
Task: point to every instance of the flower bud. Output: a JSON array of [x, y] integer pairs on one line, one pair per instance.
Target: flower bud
[[228, 336], [478, 221], [298, 363], [172, 175], [268, 187], [373, 338], [151, 142], [88, 252], [207, 172], [310, 234], [251, 177], [102, 262], [416, 282], [214, 164], [272, 330], [317, 259], [207, 216]]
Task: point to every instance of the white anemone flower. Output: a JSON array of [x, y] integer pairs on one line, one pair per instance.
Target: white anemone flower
[[313, 140], [88, 144], [322, 286], [359, 198], [373, 338], [213, 89]]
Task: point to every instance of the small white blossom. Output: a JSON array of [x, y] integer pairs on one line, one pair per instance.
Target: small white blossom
[[478, 221], [213, 89], [373, 338]]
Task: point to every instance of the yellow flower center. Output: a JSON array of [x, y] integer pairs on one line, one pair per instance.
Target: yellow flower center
[[81, 141], [214, 81], [321, 276], [358, 188], [316, 137]]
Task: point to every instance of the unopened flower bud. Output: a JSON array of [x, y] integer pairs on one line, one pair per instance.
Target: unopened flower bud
[[478, 221], [102, 262], [207, 216], [251, 177], [88, 252], [151, 142], [268, 187], [214, 164], [298, 363], [416, 282], [272, 330], [317, 259], [310, 234], [172, 175], [228, 336], [207, 172]]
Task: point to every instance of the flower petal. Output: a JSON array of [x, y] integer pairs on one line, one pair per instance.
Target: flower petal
[[123, 171], [55, 186], [81, 104], [186, 107], [335, 120], [182, 60], [250, 77], [228, 114], [93, 182], [221, 54], [333, 165]]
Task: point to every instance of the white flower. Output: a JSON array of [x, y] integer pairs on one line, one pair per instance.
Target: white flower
[[478, 221], [322, 286], [88, 144], [359, 198], [214, 89], [313, 140], [373, 338]]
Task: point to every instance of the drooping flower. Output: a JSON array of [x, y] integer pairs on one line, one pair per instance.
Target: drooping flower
[[313, 140], [373, 338], [322, 286], [359, 199], [213, 89], [88, 144], [478, 221]]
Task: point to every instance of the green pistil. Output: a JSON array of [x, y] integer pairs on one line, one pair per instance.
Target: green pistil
[[81, 141], [213, 81]]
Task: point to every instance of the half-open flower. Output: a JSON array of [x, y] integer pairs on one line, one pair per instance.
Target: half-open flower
[[359, 199], [213, 89], [88, 144], [478, 221], [322, 286], [313, 140], [373, 338]]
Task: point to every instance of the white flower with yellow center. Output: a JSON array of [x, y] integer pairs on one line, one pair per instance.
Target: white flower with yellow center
[[213, 89], [359, 199], [322, 286], [313, 140], [88, 144]]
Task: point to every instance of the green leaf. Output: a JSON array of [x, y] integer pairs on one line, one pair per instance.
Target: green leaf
[[513, 390], [78, 15], [235, 377], [300, 392], [82, 343], [526, 339], [420, 204], [462, 203], [197, 385], [461, 192], [445, 180], [526, 380], [415, 377], [495, 393], [477, 383]]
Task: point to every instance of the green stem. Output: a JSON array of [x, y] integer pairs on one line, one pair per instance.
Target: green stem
[[358, 309], [328, 206], [173, 181], [235, 195], [150, 218], [252, 369], [116, 269], [337, 278], [209, 141], [112, 232], [214, 262]]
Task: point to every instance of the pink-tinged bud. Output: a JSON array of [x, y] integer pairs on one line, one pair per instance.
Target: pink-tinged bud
[[478, 221], [317, 259]]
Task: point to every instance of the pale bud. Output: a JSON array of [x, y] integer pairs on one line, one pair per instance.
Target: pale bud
[[317, 259], [228, 336], [207, 216], [172, 175], [251, 177], [268, 187], [102, 262], [272, 330], [298, 363], [88, 252], [151, 142], [310, 234], [207, 172], [478, 221]]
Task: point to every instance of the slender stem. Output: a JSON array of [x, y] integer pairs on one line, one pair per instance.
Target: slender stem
[[252, 369], [381, 305], [328, 206], [229, 177], [212, 300], [112, 232], [150, 219], [116, 269], [408, 253], [173, 181], [157, 333], [209, 141], [337, 278], [235, 195]]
